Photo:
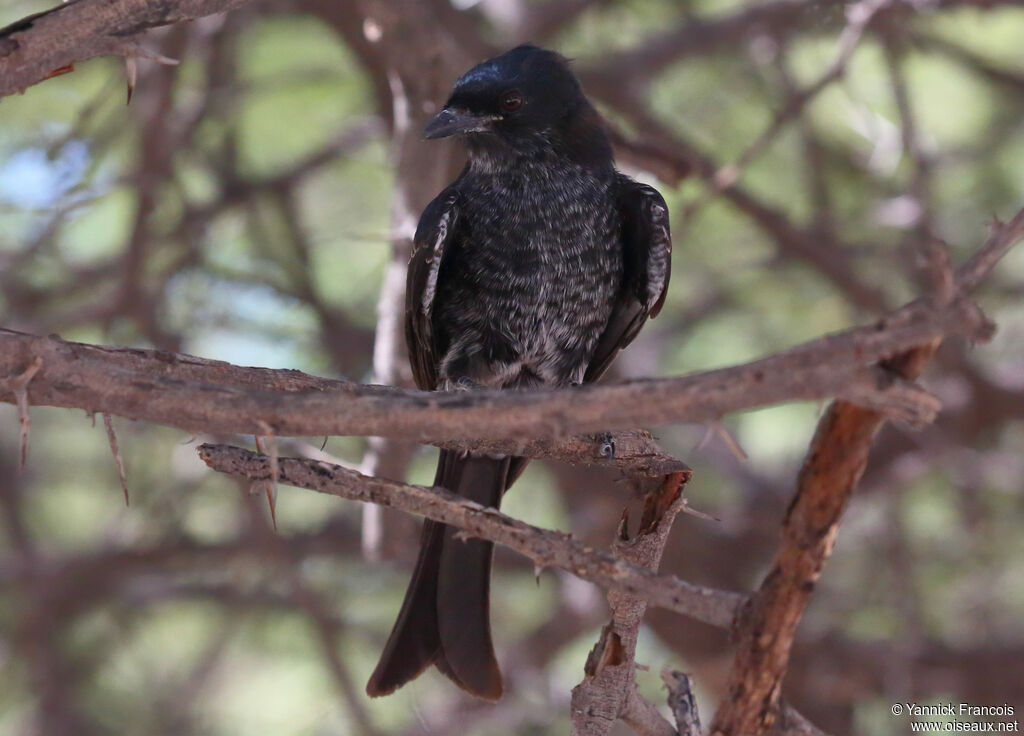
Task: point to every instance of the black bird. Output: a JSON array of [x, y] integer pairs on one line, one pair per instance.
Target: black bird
[[534, 268]]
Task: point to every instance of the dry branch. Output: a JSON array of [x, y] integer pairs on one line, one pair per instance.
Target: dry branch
[[834, 464], [608, 691], [42, 45], [199, 395], [682, 702], [119, 377], [545, 548], [37, 47], [643, 717]]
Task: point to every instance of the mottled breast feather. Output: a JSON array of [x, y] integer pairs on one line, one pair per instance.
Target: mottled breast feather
[[526, 294]]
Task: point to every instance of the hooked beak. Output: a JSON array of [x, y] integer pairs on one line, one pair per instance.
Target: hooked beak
[[449, 122]]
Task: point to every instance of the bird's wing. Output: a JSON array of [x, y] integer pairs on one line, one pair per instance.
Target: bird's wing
[[434, 238], [647, 261]]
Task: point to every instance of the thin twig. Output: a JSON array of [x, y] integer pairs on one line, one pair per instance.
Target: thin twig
[[859, 16], [643, 717], [681, 701]]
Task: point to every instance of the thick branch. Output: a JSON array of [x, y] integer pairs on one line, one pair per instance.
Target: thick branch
[[545, 548], [208, 396], [633, 452], [34, 48]]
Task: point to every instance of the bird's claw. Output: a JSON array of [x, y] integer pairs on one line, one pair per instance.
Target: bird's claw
[[607, 442]]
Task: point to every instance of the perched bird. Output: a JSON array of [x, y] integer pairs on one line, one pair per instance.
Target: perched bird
[[534, 268]]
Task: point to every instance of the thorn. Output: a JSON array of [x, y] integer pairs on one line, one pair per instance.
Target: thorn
[[622, 533], [686, 508], [66, 69], [324, 444], [118, 460], [730, 441], [708, 432], [18, 385], [158, 58], [131, 73], [271, 489], [132, 52], [264, 486], [275, 471]]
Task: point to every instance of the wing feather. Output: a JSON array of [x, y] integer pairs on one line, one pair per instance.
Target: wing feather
[[647, 266], [434, 239]]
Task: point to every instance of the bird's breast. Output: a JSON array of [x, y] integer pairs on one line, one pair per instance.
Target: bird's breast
[[539, 266]]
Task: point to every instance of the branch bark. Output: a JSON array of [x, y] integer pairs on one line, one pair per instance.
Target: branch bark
[[38, 46], [681, 702], [199, 395], [608, 691], [545, 548]]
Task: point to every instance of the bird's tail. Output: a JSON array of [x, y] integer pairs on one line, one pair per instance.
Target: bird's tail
[[445, 618]]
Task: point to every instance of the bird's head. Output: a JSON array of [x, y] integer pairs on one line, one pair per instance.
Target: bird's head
[[525, 102]]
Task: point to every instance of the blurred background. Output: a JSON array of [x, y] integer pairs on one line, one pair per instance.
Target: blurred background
[[253, 204]]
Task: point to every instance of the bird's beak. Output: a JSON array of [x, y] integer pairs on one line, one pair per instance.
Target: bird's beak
[[450, 121]]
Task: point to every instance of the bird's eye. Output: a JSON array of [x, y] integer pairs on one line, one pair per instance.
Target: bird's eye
[[511, 100]]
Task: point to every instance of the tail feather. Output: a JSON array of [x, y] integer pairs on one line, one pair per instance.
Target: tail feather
[[414, 642], [445, 618]]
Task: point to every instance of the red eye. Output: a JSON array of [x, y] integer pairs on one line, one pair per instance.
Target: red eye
[[511, 100]]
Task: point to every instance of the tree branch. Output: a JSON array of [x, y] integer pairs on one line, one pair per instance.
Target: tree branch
[[608, 690], [545, 548], [834, 464], [38, 46], [643, 717], [199, 395], [682, 702]]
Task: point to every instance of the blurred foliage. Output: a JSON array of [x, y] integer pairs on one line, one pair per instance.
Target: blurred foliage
[[206, 641]]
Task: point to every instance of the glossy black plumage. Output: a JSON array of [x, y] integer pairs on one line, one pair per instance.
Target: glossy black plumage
[[534, 268]]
